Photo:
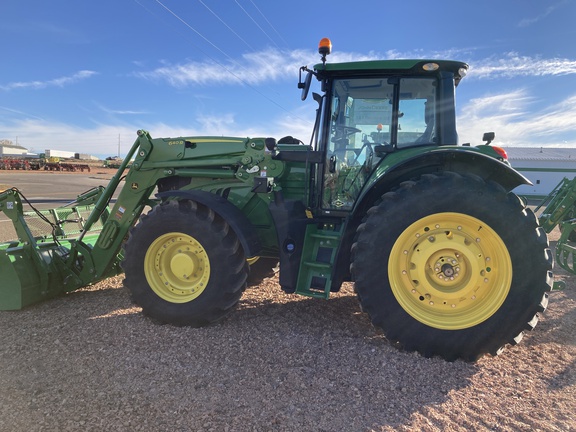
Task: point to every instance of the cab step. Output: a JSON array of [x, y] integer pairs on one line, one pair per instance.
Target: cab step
[[320, 251]]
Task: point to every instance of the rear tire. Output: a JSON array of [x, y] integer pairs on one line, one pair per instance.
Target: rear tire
[[463, 267], [184, 265]]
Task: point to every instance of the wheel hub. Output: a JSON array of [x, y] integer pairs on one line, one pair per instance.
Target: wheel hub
[[182, 266], [447, 270], [177, 267]]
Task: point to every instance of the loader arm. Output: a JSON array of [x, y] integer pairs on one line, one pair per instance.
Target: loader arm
[[133, 198]]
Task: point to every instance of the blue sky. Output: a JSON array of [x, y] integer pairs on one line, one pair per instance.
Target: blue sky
[[84, 75]]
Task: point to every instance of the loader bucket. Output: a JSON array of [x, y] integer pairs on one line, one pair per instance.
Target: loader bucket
[[44, 262], [20, 284]]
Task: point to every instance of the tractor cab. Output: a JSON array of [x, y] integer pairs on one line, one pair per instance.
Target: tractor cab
[[374, 108]]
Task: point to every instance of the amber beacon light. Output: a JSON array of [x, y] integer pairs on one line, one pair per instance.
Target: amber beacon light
[[324, 48]]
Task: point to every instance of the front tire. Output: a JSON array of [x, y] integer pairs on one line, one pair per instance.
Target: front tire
[[184, 265], [463, 270]]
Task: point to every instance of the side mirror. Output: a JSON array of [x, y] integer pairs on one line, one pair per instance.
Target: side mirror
[[305, 86], [488, 137]]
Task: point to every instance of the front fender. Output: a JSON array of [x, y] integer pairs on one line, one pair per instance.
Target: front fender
[[237, 220]]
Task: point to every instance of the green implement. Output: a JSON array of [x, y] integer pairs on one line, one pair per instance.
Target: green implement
[[41, 264], [559, 210]]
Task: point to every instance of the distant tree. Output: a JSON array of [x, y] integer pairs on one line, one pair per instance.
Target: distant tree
[[6, 142]]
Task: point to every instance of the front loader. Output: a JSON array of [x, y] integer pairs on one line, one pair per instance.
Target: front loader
[[444, 258]]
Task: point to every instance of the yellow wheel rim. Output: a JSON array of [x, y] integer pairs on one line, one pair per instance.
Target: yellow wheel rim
[[252, 260], [450, 271], [177, 267]]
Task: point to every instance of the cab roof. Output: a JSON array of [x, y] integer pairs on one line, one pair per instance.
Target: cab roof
[[416, 67]]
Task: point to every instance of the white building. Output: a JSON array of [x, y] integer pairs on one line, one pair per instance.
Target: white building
[[59, 154], [85, 156], [12, 151], [545, 167]]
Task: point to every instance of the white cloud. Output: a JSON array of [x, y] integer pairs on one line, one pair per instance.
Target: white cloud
[[57, 82], [18, 112], [102, 139], [526, 22], [41, 135], [514, 65], [251, 68], [270, 65], [118, 111], [516, 123], [514, 116]]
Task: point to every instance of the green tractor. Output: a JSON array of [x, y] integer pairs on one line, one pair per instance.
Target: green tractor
[[444, 258]]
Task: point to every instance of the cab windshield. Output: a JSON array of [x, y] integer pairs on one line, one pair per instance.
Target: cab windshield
[[370, 112]]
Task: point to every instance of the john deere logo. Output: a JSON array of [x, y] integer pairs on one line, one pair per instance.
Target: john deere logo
[[134, 185], [338, 203]]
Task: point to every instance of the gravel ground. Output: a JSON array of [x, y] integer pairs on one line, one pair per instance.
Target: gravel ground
[[90, 361]]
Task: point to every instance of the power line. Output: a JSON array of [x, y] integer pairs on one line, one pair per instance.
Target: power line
[[270, 24], [257, 25], [161, 19], [193, 29], [227, 26], [224, 53]]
